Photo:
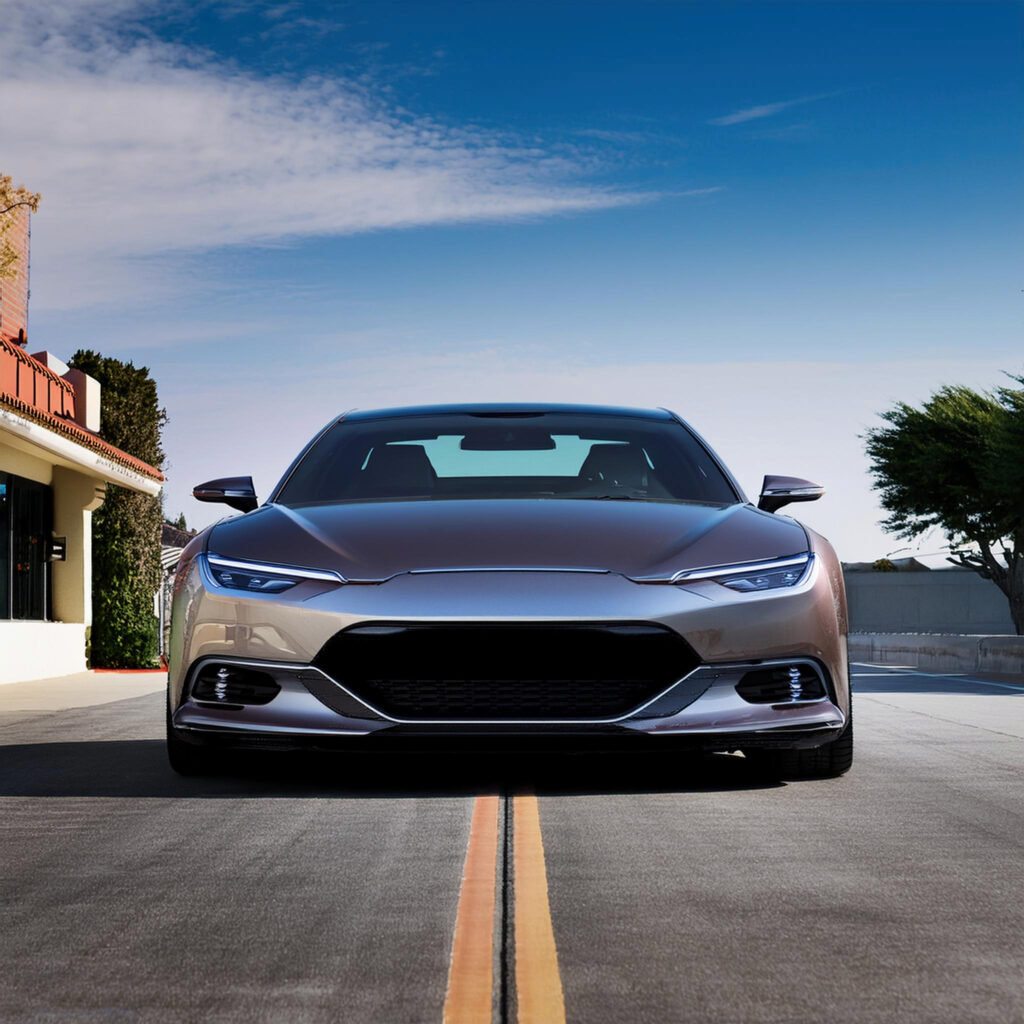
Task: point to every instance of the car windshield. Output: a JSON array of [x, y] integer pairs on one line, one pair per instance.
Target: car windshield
[[537, 455]]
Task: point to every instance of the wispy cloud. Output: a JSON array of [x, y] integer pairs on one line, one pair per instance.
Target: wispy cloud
[[144, 148], [766, 110]]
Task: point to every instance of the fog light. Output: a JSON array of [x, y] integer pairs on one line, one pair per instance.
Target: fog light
[[781, 684], [794, 683], [233, 686], [220, 688]]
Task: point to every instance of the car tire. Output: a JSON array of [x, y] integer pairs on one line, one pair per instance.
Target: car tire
[[828, 761], [189, 758]]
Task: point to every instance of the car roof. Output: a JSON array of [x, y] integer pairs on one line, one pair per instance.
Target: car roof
[[507, 408]]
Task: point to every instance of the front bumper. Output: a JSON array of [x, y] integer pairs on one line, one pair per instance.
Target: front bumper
[[703, 708], [730, 633]]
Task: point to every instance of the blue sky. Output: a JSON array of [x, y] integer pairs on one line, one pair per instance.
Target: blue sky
[[777, 219]]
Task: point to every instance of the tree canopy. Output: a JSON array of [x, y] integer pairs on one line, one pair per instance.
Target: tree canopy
[[12, 199], [126, 527], [956, 464]]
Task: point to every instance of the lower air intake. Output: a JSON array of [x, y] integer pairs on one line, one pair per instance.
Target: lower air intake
[[232, 686], [506, 672], [781, 684]]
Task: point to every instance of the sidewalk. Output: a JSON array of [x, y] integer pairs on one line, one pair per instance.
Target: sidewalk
[[80, 690]]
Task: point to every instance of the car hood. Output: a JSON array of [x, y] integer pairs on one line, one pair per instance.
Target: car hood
[[378, 540]]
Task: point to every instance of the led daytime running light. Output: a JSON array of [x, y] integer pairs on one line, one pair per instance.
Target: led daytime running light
[[257, 577], [724, 573]]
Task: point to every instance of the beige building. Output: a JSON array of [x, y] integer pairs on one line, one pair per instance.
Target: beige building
[[54, 471]]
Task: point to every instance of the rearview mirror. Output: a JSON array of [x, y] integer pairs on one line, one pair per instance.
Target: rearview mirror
[[236, 491], [777, 491], [507, 439]]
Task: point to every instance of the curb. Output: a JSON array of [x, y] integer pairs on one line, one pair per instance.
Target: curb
[[126, 671]]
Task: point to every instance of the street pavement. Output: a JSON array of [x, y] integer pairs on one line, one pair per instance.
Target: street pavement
[[675, 889]]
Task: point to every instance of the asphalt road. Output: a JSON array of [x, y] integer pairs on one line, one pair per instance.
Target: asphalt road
[[665, 890]]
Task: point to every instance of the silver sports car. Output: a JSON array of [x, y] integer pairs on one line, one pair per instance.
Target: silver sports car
[[510, 570]]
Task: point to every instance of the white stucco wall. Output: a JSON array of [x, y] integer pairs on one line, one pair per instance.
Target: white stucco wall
[[20, 462], [78, 476], [40, 650], [74, 498]]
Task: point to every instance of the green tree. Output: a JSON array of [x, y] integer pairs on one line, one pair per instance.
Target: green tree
[[126, 527], [11, 200], [956, 464]]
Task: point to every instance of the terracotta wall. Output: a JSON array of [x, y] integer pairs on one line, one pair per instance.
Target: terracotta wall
[[24, 380]]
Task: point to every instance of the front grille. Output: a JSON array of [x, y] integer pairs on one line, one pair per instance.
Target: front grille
[[529, 671]]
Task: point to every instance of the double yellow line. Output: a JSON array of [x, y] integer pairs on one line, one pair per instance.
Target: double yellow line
[[470, 996]]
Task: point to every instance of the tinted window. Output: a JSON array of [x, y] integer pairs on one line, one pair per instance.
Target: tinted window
[[546, 455]]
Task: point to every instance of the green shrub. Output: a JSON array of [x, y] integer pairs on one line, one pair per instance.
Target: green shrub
[[126, 527]]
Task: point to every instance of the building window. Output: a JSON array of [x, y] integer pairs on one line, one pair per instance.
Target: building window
[[26, 525]]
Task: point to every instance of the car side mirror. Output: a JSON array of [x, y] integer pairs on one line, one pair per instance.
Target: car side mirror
[[777, 491], [236, 491]]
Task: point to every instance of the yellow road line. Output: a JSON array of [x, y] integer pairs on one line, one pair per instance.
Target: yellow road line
[[470, 976], [538, 982]]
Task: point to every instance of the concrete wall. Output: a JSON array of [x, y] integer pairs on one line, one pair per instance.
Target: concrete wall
[[931, 653], [926, 602]]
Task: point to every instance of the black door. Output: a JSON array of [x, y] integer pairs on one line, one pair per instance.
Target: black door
[[5, 546], [26, 524]]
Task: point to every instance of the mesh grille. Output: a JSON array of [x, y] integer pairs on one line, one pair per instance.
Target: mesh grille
[[506, 671]]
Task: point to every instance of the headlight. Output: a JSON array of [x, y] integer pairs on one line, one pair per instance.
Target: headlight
[[754, 576], [256, 577]]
